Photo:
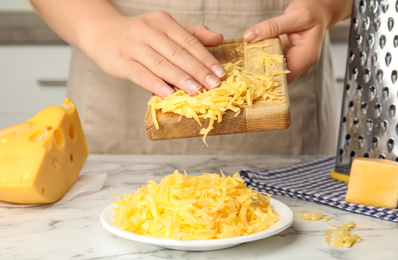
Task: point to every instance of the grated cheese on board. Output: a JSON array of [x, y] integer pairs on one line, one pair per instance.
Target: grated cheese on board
[[269, 59], [184, 207], [238, 90]]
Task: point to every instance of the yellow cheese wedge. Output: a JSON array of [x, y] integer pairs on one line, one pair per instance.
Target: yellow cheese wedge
[[373, 182], [41, 159]]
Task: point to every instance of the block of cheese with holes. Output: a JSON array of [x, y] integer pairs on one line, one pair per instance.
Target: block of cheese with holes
[[373, 182], [41, 159]]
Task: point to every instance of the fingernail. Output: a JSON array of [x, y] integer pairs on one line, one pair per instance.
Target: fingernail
[[212, 81], [193, 87], [166, 90], [218, 70], [250, 36]]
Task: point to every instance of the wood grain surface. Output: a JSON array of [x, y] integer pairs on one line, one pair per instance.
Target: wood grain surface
[[263, 115]]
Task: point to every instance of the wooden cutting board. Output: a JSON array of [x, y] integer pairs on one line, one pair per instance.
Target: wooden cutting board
[[263, 115]]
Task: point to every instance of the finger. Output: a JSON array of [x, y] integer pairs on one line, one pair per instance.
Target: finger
[[195, 47], [183, 59], [205, 36], [160, 66], [274, 27], [300, 60], [146, 79]]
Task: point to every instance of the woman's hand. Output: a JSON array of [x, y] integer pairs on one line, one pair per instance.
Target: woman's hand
[[153, 50], [301, 29]]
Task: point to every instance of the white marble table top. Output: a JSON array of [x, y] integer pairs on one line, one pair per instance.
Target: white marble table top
[[72, 230]]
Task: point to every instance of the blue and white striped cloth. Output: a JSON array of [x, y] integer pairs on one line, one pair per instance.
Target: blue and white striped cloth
[[311, 181]]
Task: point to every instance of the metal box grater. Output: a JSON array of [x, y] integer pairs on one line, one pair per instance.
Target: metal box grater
[[369, 120]]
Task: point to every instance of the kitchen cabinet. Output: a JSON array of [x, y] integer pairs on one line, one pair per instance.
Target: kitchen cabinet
[[32, 78]]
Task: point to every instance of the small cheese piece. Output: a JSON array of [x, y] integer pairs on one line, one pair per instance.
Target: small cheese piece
[[41, 159], [341, 238], [373, 182]]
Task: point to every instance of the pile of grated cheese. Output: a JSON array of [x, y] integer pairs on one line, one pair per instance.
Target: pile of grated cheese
[[238, 90], [340, 237], [209, 206]]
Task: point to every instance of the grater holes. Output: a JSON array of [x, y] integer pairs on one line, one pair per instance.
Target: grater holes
[[366, 23], [362, 57], [371, 40], [372, 92], [369, 125], [358, 39], [386, 93], [372, 75], [341, 155], [355, 23], [377, 23], [375, 59], [375, 143], [382, 41], [352, 55], [366, 75], [379, 76], [347, 140], [384, 6], [388, 59], [355, 125], [390, 23], [347, 90], [361, 141], [362, 6], [364, 108], [378, 109], [359, 91], [390, 144], [384, 126], [355, 72], [382, 156], [351, 104], [394, 76], [392, 110], [373, 5]]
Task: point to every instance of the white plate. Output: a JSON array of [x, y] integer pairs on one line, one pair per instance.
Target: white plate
[[201, 245]]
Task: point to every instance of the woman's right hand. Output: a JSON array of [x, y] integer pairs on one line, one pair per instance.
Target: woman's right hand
[[154, 51], [151, 50]]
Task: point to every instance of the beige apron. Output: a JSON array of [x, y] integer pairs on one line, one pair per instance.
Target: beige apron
[[112, 110]]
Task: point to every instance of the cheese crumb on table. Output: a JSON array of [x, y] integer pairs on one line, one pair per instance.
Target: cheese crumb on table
[[340, 237]]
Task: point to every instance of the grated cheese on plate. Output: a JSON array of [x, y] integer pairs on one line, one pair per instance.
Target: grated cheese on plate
[[184, 207], [238, 90]]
